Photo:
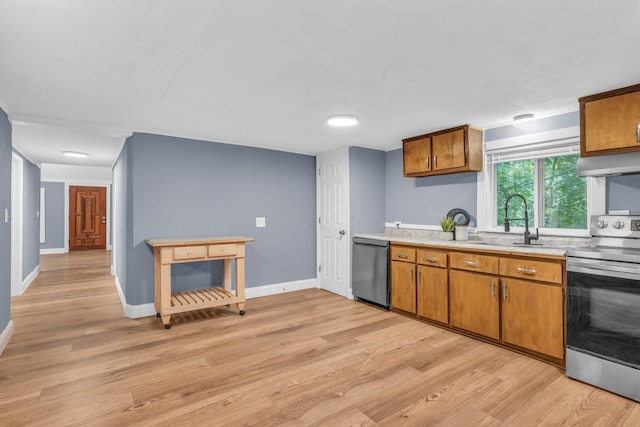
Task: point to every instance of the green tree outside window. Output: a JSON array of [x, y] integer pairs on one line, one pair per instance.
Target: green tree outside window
[[562, 191]]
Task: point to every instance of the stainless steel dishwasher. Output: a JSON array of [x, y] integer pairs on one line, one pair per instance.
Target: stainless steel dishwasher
[[370, 271]]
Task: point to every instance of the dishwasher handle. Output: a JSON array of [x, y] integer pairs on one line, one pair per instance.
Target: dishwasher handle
[[370, 242]]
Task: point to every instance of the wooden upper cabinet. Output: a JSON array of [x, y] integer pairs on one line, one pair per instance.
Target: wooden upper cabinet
[[610, 122], [449, 150], [417, 156], [452, 150]]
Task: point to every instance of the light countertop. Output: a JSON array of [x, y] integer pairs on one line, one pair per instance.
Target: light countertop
[[548, 250]]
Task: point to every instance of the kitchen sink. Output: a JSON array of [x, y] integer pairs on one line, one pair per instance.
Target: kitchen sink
[[471, 242]]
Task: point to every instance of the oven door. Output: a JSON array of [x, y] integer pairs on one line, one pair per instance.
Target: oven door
[[603, 309]]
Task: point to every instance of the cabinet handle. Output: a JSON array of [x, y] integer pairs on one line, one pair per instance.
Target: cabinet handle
[[427, 159], [493, 289], [638, 132], [472, 263], [504, 290], [411, 273], [430, 259], [435, 162], [403, 256], [527, 270], [418, 275]]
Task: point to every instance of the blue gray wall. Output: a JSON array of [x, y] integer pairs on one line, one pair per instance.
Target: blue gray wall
[[54, 215], [426, 200], [30, 218], [180, 187], [366, 190], [5, 229], [623, 193]]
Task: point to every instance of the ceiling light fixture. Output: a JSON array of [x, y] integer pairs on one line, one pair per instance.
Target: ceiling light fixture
[[342, 120], [75, 154], [520, 121]]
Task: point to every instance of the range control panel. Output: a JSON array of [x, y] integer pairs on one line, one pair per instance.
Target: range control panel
[[615, 226]]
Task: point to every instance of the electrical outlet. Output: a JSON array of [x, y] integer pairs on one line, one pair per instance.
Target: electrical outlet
[[261, 222]]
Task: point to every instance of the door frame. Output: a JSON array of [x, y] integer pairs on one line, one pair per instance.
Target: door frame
[[347, 292], [80, 183], [17, 188]]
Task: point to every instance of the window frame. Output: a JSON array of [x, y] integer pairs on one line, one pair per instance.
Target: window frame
[[556, 142]]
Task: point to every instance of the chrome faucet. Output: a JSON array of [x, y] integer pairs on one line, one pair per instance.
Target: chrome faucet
[[527, 236]]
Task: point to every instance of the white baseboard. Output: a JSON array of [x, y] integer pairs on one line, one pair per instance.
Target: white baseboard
[[5, 336], [30, 278], [279, 288], [144, 310], [134, 311], [53, 251]]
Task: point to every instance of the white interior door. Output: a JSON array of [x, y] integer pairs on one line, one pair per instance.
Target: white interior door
[[333, 221]]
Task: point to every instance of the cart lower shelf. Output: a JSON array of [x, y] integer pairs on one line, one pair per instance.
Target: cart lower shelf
[[201, 296], [198, 300]]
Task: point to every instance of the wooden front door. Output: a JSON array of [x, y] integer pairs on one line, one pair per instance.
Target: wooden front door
[[87, 218]]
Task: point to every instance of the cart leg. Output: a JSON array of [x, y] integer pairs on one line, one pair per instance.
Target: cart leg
[[241, 308], [166, 320]]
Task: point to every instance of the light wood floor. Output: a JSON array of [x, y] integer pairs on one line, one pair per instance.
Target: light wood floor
[[302, 358]]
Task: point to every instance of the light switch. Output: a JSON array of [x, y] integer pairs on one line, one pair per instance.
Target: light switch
[[6, 216], [261, 222]]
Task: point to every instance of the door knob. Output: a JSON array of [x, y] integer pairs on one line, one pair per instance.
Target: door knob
[[342, 232]]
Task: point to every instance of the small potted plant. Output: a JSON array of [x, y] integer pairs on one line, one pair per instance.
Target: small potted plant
[[447, 224]]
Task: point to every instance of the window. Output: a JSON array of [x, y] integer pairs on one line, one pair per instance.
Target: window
[[542, 168], [551, 184]]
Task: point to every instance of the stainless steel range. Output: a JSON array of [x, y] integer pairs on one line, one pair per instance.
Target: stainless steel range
[[603, 307]]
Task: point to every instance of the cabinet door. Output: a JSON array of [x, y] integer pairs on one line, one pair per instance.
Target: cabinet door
[[403, 286], [417, 156], [474, 304], [433, 293], [448, 150], [532, 316], [612, 123]]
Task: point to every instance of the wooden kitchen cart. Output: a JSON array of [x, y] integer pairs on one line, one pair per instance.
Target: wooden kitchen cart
[[178, 250]]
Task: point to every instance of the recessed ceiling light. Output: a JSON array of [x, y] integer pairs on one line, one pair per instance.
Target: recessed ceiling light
[[520, 121], [75, 154], [342, 120]]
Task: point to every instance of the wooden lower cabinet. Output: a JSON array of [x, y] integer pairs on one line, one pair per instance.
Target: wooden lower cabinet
[[474, 304], [512, 300], [433, 293], [403, 286], [532, 316]]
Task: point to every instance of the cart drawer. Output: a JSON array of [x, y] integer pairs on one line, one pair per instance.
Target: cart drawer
[[224, 250], [190, 252]]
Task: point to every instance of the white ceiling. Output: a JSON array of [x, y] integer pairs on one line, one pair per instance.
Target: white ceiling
[[82, 75]]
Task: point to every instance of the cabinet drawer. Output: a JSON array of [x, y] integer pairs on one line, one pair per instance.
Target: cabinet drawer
[[473, 262], [532, 270], [190, 252], [432, 258], [222, 250], [401, 253]]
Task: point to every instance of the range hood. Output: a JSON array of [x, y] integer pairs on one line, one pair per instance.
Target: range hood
[[613, 164]]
